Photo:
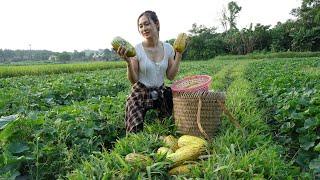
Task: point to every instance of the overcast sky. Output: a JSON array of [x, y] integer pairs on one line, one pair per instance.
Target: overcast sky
[[67, 25]]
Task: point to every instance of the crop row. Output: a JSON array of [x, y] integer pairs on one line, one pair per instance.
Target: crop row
[[45, 69], [40, 93], [50, 144], [291, 94]]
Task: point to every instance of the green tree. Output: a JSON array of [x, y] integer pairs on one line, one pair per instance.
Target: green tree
[[282, 36], [170, 41], [308, 13], [2, 59], [64, 57], [78, 55], [228, 19], [234, 9], [110, 55], [205, 43], [306, 37], [262, 37]]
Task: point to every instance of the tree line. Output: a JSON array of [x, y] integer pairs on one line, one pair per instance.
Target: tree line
[[7, 55], [302, 34]]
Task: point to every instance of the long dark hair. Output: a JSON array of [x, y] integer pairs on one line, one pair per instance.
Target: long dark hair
[[151, 15]]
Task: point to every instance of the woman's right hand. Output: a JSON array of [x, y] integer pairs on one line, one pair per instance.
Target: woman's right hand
[[122, 51]]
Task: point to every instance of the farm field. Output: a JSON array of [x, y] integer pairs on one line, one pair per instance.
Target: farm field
[[70, 124]]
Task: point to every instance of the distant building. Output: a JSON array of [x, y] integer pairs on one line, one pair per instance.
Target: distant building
[[98, 56], [53, 58]]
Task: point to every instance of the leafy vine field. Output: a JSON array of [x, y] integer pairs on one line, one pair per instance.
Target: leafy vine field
[[70, 125]]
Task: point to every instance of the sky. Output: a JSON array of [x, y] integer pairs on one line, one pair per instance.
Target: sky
[[68, 25]]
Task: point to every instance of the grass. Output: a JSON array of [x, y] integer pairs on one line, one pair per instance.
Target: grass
[[13, 71], [250, 155], [269, 55]]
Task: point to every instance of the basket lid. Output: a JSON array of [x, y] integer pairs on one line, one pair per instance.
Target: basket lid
[[192, 83]]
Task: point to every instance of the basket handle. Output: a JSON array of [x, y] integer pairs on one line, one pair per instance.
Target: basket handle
[[227, 112], [198, 120]]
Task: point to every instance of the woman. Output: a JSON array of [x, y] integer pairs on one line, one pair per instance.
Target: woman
[[146, 71]]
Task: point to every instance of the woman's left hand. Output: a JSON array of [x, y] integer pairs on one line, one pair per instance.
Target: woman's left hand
[[122, 52], [178, 55]]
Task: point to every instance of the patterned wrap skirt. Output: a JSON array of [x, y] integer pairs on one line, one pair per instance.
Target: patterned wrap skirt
[[141, 100]]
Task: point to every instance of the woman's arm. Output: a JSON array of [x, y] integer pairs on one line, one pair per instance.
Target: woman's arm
[[173, 66], [132, 65], [132, 69]]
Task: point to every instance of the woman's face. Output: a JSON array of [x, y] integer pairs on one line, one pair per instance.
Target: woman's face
[[147, 28]]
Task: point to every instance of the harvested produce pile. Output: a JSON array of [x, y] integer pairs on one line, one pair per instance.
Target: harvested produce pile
[[182, 153]]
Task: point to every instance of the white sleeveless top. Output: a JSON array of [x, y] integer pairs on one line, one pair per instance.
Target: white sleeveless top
[[152, 73]]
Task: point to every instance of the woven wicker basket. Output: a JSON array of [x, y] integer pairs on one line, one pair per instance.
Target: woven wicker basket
[[198, 113]]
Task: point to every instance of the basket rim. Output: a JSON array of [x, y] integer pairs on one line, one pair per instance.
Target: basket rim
[[175, 84]]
